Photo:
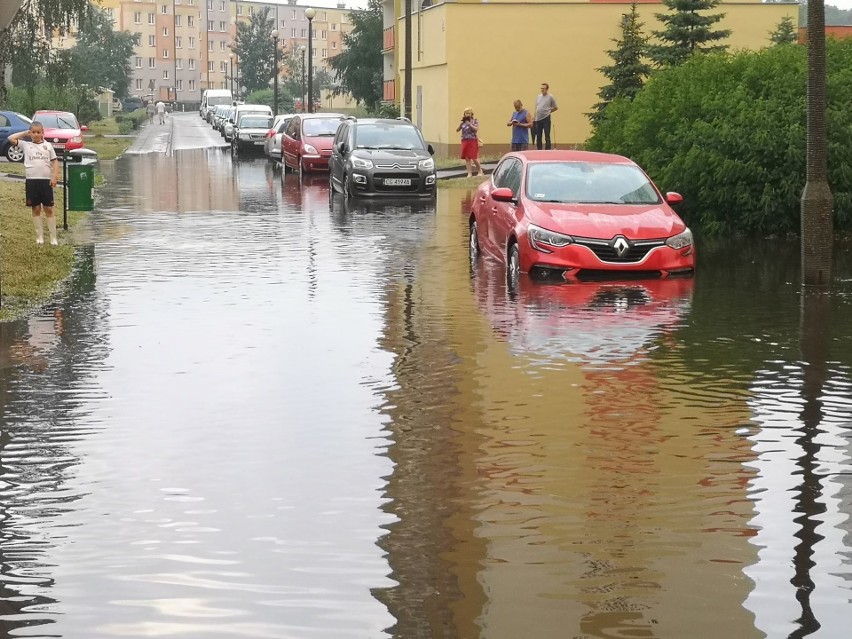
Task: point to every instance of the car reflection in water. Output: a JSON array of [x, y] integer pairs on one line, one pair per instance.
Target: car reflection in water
[[608, 322]]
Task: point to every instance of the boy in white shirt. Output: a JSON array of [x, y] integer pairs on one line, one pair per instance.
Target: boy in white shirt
[[42, 173]]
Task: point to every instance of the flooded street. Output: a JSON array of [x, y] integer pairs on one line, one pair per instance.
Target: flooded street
[[256, 413]]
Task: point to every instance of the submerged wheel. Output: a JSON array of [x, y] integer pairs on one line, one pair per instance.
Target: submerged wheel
[[473, 240], [513, 266]]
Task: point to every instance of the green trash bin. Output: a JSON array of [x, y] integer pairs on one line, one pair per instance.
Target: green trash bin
[[80, 191]]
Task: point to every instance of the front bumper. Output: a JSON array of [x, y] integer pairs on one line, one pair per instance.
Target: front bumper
[[414, 183]]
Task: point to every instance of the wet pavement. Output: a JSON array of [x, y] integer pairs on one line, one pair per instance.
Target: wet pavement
[[259, 412]]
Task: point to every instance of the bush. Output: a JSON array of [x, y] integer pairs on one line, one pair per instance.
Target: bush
[[728, 132]]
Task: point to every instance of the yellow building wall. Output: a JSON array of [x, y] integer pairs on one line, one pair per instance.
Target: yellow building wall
[[490, 60]]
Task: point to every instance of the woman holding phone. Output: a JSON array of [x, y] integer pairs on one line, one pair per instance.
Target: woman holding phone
[[469, 127]]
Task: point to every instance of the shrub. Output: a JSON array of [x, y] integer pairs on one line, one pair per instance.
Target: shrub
[[728, 132]]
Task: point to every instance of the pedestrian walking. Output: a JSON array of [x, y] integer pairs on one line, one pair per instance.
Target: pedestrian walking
[[161, 112], [545, 106], [152, 109], [41, 170], [469, 127], [521, 123]]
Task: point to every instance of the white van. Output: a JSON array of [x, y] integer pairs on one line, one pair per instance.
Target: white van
[[211, 98]]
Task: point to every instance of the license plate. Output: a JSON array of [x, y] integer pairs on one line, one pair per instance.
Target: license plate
[[258, 142], [397, 182]]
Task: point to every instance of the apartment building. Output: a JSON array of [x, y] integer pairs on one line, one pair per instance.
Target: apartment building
[[185, 45]]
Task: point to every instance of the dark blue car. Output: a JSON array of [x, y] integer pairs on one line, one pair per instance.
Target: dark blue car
[[11, 122]]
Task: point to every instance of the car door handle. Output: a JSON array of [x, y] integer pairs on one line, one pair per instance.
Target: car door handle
[[494, 209]]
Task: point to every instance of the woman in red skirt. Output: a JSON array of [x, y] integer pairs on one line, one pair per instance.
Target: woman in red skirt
[[469, 127]]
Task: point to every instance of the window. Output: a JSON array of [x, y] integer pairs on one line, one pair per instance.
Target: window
[[333, 45], [223, 67], [222, 26], [239, 9], [178, 21], [324, 35], [178, 63], [178, 42], [325, 53], [165, 53], [165, 32], [152, 41], [334, 27], [152, 63], [304, 33], [191, 42], [151, 18], [165, 74], [191, 82], [210, 25], [292, 33], [325, 16], [137, 17], [180, 85], [138, 62], [138, 84], [210, 45], [192, 63], [164, 9], [210, 5], [190, 21], [222, 5], [222, 46], [282, 24], [191, 2], [251, 11], [313, 52], [294, 14], [210, 66]]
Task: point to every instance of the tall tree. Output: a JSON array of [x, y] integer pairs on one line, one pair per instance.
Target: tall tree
[[687, 31], [34, 18], [101, 57], [254, 47], [629, 69], [358, 69], [785, 32]]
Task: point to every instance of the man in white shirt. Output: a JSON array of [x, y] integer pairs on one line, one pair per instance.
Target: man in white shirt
[[161, 111]]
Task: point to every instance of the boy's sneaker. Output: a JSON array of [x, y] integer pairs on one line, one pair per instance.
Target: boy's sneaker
[[54, 242], [39, 240]]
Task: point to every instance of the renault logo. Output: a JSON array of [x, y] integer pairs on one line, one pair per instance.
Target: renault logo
[[621, 246]]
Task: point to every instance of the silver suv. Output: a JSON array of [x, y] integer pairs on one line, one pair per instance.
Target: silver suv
[[381, 157]]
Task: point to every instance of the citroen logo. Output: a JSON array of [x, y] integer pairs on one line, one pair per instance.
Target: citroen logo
[[621, 246]]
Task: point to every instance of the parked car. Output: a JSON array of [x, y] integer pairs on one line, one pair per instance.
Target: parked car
[[576, 214], [218, 117], [117, 106], [10, 123], [228, 124], [61, 129], [131, 103], [272, 143], [250, 132], [306, 145], [381, 157]]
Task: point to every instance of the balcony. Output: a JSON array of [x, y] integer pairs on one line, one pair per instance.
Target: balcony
[[388, 39], [389, 92]]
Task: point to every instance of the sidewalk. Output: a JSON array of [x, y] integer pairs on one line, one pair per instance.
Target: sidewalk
[[460, 171], [153, 138]]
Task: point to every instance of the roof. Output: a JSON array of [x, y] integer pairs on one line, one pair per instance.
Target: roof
[[572, 156]]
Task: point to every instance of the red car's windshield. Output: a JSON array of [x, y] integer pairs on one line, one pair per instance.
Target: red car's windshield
[[57, 120], [589, 183], [317, 127]]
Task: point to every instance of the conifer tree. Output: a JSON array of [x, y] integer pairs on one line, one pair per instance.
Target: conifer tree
[[785, 32], [687, 31], [629, 69]]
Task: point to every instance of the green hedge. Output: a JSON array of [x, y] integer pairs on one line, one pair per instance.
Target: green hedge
[[728, 133]]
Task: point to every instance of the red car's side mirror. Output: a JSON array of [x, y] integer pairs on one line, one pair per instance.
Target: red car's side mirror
[[503, 194], [673, 198], [84, 128]]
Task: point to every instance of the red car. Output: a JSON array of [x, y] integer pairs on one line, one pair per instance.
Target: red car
[[61, 129], [306, 142], [577, 214]]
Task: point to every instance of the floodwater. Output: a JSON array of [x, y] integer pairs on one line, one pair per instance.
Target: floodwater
[[256, 413]]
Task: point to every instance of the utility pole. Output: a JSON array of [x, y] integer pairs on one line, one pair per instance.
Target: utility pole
[[817, 203], [406, 93]]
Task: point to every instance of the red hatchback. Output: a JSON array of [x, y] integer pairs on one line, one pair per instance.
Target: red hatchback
[[307, 140], [578, 214], [61, 129]]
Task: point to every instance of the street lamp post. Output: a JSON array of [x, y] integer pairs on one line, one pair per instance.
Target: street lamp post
[[231, 56], [303, 77], [275, 73], [310, 12]]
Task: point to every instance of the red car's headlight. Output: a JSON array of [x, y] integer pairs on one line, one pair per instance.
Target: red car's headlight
[[76, 139], [540, 239]]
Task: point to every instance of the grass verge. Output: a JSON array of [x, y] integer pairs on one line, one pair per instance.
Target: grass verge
[[108, 148], [462, 183], [30, 273]]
